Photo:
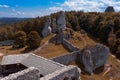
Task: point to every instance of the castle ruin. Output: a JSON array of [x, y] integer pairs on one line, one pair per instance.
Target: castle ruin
[[29, 66]]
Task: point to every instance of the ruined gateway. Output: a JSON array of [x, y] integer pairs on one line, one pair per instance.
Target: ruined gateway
[[29, 66]]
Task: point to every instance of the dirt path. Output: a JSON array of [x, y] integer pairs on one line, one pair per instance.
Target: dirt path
[[108, 70], [40, 48], [116, 58], [44, 45], [1, 54]]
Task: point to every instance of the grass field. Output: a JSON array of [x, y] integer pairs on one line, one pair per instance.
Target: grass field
[[52, 50]]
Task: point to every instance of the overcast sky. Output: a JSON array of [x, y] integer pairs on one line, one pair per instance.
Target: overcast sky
[[34, 8]]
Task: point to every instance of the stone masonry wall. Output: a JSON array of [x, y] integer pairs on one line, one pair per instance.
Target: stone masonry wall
[[69, 72], [69, 46], [27, 74], [66, 59]]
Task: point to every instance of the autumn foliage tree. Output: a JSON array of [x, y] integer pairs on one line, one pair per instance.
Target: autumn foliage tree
[[20, 39], [33, 40]]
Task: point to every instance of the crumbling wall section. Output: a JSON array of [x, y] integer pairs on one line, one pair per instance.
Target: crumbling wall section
[[69, 46], [27, 74], [68, 73], [66, 59]]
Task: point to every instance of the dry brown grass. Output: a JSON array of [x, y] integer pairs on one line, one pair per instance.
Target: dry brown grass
[[8, 50], [52, 50], [81, 40]]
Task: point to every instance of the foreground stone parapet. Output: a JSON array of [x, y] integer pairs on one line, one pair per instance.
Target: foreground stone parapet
[[27, 74], [47, 29], [94, 57], [67, 73]]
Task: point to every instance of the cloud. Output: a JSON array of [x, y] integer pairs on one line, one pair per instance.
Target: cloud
[[15, 12], [20, 13], [87, 5], [57, 3], [55, 8], [4, 6], [67, 5]]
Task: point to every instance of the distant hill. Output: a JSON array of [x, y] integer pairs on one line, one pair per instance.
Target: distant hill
[[9, 20]]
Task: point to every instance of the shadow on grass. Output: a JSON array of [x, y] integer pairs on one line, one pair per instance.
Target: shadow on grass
[[15, 48], [81, 66], [84, 72], [26, 50], [99, 70]]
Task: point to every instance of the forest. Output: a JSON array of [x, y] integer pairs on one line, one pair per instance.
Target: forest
[[102, 27]]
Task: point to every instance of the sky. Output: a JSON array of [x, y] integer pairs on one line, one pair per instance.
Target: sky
[[35, 8]]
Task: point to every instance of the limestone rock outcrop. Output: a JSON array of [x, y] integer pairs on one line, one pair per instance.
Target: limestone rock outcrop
[[94, 57], [110, 9], [61, 21], [47, 29]]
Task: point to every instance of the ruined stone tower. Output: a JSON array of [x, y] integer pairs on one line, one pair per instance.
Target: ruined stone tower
[[61, 21]]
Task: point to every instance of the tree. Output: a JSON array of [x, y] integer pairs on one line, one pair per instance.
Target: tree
[[20, 39], [10, 32], [118, 34], [116, 24], [118, 52], [33, 40]]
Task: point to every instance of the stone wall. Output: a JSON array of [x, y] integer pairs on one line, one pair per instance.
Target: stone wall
[[27, 74], [69, 72], [69, 46], [66, 59], [6, 43]]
